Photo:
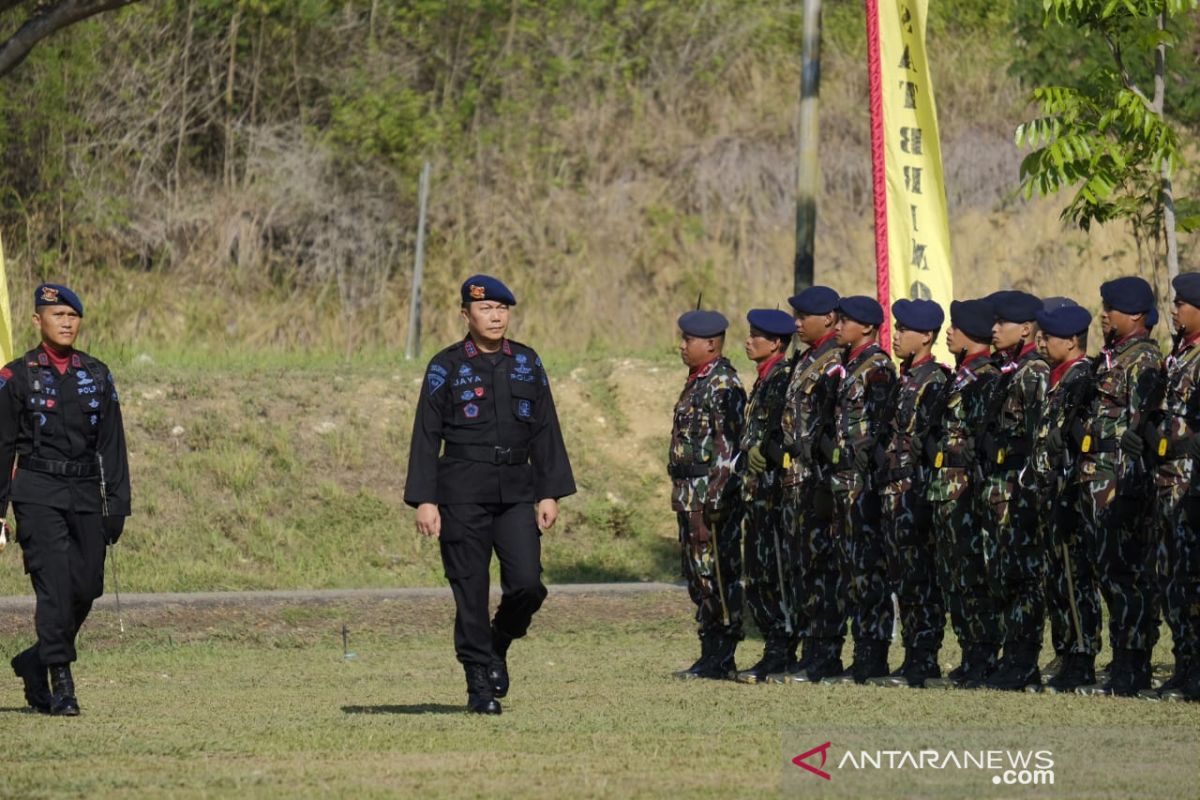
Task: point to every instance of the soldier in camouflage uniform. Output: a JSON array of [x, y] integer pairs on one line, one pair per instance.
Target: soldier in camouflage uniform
[[907, 514], [1178, 450], [766, 563], [962, 540], [1072, 586], [863, 394], [1009, 495], [704, 493], [816, 597], [1116, 491]]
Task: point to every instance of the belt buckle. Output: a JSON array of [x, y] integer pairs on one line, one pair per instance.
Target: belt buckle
[[939, 459], [500, 455], [1162, 446], [1000, 456], [1086, 445]]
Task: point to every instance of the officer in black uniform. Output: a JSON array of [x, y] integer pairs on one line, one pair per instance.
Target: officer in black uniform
[[486, 470], [61, 422]]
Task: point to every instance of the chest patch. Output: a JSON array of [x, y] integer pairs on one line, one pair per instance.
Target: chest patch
[[470, 411]]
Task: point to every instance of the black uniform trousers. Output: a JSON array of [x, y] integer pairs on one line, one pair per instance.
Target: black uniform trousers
[[470, 532], [64, 556]]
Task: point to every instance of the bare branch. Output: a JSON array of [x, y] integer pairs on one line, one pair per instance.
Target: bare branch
[[49, 19]]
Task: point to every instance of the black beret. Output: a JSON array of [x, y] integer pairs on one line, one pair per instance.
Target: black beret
[[485, 287], [974, 318], [815, 300], [1055, 303], [53, 294], [1129, 295], [703, 324], [1187, 287], [772, 321], [861, 308], [918, 315], [1064, 321], [1016, 307]]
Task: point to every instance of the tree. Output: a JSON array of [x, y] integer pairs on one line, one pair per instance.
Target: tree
[[1105, 133], [41, 19]]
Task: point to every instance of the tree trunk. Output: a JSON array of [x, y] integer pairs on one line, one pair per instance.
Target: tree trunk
[[1168, 196], [808, 170]]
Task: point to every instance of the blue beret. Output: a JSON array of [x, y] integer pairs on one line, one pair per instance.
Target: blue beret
[[918, 315], [815, 300], [1152, 318], [53, 294], [485, 287], [861, 308], [1055, 303], [1016, 307], [1064, 321], [974, 318], [1129, 295], [772, 321], [703, 324], [1187, 287]]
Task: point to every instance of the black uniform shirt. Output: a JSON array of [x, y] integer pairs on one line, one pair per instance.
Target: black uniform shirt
[[75, 416], [483, 401]]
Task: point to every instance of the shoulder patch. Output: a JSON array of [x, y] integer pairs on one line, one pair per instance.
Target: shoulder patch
[[435, 378]]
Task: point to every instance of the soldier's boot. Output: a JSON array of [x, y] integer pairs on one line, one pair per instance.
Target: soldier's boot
[[774, 660], [793, 665], [979, 662], [37, 686], [1017, 670], [1078, 669], [707, 639], [826, 661], [870, 661], [481, 697], [921, 665], [905, 665], [1178, 677], [64, 703], [1056, 665], [498, 669], [1128, 674], [721, 665], [1185, 684]]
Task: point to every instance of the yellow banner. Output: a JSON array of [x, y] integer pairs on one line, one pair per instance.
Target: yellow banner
[[6, 344], [916, 252]]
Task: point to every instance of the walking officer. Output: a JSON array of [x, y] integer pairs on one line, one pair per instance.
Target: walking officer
[[60, 421], [705, 438], [486, 470]]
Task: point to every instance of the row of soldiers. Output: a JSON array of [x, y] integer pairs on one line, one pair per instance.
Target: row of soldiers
[[1029, 482]]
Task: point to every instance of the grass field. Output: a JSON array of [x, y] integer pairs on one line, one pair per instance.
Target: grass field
[[261, 702]]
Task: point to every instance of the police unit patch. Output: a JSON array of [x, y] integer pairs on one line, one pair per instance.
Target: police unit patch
[[524, 409], [470, 411], [434, 381], [466, 395]]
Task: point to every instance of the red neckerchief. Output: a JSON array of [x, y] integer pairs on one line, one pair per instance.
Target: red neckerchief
[[1057, 373], [765, 367], [1026, 350], [858, 351], [978, 354], [701, 370], [1191, 340], [918, 363], [58, 362], [813, 347]]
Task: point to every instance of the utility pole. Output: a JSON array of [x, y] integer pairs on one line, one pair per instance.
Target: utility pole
[[808, 171], [414, 306]]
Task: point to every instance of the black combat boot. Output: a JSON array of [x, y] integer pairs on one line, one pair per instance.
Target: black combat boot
[[826, 661], [979, 662], [481, 698], [1178, 678], [1017, 669], [707, 639], [795, 665], [920, 665], [774, 660], [1056, 664], [64, 703], [1128, 675], [498, 669], [1078, 669], [1184, 684], [721, 665], [870, 661], [37, 686]]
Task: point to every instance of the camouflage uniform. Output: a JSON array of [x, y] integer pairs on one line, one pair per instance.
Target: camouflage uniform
[[1072, 585], [862, 395], [964, 544], [808, 506], [1009, 498], [1115, 492], [907, 516], [704, 445], [1179, 505], [765, 565]]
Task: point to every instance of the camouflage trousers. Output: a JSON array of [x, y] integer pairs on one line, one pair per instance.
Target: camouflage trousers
[[1017, 572], [863, 564], [817, 594], [768, 546], [912, 568], [964, 549], [1073, 603], [1179, 559], [1123, 546], [713, 572]]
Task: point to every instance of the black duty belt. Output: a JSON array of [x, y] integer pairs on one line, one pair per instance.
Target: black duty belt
[[680, 471], [69, 469], [1093, 445], [487, 455], [944, 460], [901, 474], [1172, 449]]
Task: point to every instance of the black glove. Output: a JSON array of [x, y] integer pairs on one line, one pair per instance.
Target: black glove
[[113, 527], [1054, 441], [1132, 443]]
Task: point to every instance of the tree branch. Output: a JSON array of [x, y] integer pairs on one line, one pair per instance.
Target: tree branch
[[50, 19], [1126, 80]]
